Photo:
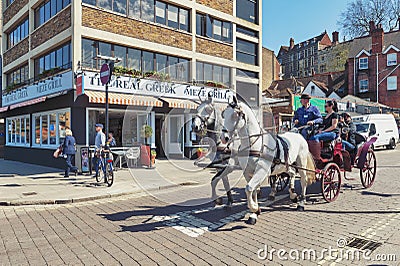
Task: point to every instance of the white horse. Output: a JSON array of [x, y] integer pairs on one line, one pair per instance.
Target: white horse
[[262, 149], [209, 118]]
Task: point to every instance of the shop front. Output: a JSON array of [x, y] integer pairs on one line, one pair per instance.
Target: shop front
[[168, 108]]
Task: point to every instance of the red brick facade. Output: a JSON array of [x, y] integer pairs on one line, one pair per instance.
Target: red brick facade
[[16, 52], [386, 97], [13, 9], [225, 6]]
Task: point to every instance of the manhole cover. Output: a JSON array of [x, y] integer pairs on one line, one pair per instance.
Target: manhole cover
[[363, 244]]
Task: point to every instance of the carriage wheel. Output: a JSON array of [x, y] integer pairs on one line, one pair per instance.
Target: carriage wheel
[[368, 172], [282, 180], [331, 182]]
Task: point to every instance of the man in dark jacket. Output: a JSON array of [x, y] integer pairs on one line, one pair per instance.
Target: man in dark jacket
[[69, 150], [306, 115], [349, 139]]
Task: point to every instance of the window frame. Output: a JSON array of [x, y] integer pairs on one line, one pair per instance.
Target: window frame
[[391, 80], [254, 20], [13, 141], [363, 85], [207, 28], [391, 61], [247, 53], [47, 114], [363, 65], [41, 10]]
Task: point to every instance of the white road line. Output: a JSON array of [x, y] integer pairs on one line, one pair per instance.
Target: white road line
[[192, 226]]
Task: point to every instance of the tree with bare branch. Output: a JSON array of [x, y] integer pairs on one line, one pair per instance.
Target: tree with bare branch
[[354, 21]]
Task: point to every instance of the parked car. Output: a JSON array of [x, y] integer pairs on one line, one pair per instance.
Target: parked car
[[382, 126]]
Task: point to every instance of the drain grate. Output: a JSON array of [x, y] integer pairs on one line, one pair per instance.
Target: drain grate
[[363, 244]]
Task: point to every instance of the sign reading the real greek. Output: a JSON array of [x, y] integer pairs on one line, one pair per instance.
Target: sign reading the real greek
[[155, 88], [43, 88]]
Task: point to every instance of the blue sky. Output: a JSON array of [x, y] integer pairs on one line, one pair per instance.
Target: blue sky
[[299, 19]]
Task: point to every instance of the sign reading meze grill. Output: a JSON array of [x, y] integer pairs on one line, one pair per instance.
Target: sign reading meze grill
[[43, 88], [154, 88]]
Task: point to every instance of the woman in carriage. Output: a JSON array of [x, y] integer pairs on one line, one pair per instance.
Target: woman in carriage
[[329, 129]]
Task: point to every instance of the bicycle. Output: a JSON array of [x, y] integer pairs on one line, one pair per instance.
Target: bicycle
[[105, 166]]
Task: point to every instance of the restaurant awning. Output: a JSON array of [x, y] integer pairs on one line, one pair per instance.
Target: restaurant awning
[[3, 109], [179, 103], [123, 99], [30, 102]]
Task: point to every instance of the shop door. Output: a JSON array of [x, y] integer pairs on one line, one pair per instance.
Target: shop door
[[175, 134]]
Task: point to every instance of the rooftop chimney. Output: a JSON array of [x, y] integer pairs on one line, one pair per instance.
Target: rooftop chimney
[[377, 40], [291, 43], [371, 26], [335, 37]]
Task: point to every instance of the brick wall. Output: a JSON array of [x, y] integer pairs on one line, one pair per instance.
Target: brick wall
[[13, 9], [214, 48], [16, 52], [106, 21], [225, 6], [51, 28]]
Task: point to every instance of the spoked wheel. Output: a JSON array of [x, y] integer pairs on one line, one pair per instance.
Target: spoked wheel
[[110, 175], [282, 180], [331, 182], [368, 172], [100, 175]]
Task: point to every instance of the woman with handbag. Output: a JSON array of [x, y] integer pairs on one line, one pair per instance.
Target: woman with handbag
[[69, 151]]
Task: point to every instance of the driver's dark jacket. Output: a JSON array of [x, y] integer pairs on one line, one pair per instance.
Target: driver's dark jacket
[[351, 137], [310, 114]]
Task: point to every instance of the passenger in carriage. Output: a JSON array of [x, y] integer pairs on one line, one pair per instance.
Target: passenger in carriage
[[348, 134], [306, 115], [330, 128]]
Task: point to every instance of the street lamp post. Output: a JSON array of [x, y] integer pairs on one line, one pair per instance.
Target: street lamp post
[[105, 77]]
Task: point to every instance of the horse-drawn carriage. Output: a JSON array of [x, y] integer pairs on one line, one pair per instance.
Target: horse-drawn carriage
[[331, 159]]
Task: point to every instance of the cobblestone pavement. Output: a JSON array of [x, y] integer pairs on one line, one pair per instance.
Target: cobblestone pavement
[[142, 230]]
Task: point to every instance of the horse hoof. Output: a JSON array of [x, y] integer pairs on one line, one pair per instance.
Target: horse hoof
[[271, 198], [294, 200], [258, 212], [218, 201], [300, 208], [251, 221]]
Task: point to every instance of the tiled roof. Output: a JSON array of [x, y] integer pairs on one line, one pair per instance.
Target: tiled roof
[[358, 44]]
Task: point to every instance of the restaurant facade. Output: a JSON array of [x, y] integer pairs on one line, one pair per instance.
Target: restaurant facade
[[170, 54]]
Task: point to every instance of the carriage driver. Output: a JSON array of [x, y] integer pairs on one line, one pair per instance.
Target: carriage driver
[[306, 115]]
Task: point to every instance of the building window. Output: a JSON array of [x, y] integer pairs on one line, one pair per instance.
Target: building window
[[363, 85], [50, 127], [53, 62], [246, 52], [9, 2], [49, 9], [391, 59], [143, 61], [247, 31], [150, 10], [246, 73], [247, 10], [363, 63], [18, 130], [18, 34], [17, 77], [213, 28], [213, 75], [392, 83]]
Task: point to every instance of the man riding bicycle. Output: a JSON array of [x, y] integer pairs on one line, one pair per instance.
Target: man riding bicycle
[[306, 115], [99, 142]]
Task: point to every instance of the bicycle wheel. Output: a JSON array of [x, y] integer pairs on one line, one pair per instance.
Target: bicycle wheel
[[100, 176], [109, 179]]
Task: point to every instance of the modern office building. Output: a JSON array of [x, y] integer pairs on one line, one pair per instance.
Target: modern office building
[[168, 50]]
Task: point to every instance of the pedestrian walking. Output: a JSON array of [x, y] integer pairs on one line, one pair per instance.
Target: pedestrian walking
[[69, 150], [111, 140]]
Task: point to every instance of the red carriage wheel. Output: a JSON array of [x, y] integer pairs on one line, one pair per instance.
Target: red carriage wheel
[[368, 172], [331, 182]]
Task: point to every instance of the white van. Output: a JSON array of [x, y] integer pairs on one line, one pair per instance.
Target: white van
[[382, 126]]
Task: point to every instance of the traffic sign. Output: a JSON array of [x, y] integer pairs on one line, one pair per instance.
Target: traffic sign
[[105, 74]]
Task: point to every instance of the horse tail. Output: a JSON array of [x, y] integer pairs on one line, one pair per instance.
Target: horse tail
[[311, 170]]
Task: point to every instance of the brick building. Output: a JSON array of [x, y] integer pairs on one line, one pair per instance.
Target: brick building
[[271, 68], [301, 60], [169, 51], [373, 67]]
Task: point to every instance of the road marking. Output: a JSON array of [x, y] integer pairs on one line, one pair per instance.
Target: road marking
[[192, 226]]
